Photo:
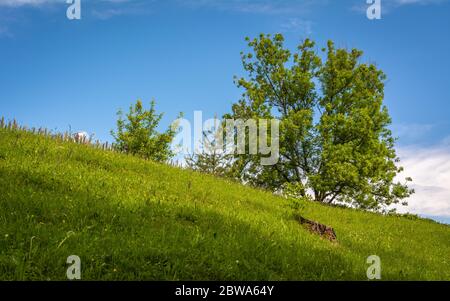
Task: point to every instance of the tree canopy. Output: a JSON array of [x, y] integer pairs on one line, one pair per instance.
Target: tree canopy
[[137, 134], [335, 144]]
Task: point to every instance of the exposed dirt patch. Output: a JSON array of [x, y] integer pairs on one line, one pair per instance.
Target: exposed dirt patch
[[317, 228]]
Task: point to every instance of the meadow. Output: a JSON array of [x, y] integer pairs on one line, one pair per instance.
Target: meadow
[[131, 219]]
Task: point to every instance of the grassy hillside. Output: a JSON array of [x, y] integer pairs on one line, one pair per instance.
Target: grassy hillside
[[128, 219]]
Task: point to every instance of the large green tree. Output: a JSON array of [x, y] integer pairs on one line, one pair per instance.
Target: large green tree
[[137, 134], [335, 145]]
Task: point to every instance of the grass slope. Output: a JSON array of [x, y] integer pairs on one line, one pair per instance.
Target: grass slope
[[129, 219]]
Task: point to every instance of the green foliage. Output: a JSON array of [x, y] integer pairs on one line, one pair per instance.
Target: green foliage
[[137, 134], [133, 219], [334, 136], [213, 159], [214, 163]]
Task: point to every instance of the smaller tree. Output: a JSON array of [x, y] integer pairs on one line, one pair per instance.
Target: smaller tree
[[213, 159], [137, 134]]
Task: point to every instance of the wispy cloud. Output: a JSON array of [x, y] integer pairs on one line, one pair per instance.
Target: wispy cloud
[[291, 13], [12, 13], [409, 2], [109, 8], [36, 3], [41, 2], [100, 9], [298, 26], [106, 13], [20, 3], [258, 6]]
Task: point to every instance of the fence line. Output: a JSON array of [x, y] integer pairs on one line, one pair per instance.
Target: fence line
[[64, 137], [69, 137]]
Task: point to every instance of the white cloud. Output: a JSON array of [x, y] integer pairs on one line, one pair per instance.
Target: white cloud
[[430, 169]]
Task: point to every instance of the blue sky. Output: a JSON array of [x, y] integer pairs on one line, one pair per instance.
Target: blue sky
[[184, 53]]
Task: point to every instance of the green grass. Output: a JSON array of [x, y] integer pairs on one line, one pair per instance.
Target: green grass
[[129, 219]]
